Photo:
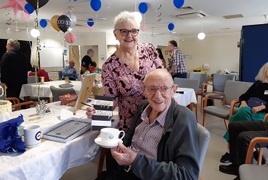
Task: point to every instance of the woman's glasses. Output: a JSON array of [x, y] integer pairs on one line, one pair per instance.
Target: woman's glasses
[[125, 32]]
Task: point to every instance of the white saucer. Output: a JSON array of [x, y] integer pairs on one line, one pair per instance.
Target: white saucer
[[105, 144]]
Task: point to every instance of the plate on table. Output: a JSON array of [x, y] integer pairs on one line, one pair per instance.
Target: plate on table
[[106, 144], [66, 85]]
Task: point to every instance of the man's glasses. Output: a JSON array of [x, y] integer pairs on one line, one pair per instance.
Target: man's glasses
[[163, 89], [125, 32]]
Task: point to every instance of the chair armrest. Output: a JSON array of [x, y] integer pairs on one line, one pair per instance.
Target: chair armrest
[[26, 103], [211, 95], [13, 100], [232, 106], [265, 118], [252, 145]]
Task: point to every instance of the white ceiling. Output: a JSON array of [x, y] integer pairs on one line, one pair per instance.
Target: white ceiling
[[253, 12]]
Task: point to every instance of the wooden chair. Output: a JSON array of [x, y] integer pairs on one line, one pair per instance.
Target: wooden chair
[[26, 104], [229, 98], [218, 84], [105, 154], [249, 171], [13, 100]]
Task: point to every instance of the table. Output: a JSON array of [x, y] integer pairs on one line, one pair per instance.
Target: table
[[31, 89], [186, 98], [50, 159]]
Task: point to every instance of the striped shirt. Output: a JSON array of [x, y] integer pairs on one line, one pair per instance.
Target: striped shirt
[[178, 60], [147, 136]]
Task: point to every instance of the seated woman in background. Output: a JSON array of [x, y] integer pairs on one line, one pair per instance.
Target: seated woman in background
[[249, 111], [40, 73]]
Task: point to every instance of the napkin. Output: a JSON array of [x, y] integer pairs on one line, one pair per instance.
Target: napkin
[[65, 114], [5, 116], [10, 141]]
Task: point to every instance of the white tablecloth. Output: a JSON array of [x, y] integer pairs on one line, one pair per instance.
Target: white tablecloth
[[186, 98], [31, 89], [50, 159]]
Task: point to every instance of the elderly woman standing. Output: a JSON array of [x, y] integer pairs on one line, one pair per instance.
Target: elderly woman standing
[[125, 69]]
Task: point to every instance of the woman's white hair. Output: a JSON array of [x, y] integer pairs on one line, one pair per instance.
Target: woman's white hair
[[262, 75], [126, 16]]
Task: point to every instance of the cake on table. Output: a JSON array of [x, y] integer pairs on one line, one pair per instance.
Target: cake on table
[[5, 106]]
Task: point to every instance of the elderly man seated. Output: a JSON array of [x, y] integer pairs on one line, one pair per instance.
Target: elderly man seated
[[163, 142], [70, 71]]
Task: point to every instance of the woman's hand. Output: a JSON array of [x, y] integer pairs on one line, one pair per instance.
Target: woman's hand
[[123, 155], [243, 104], [258, 108], [90, 112]]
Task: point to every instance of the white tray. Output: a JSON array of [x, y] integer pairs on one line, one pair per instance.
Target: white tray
[[66, 130]]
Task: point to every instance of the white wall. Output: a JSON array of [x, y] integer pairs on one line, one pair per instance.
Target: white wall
[[94, 39], [219, 51]]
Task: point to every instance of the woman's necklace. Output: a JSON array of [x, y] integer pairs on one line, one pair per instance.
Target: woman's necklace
[[131, 61]]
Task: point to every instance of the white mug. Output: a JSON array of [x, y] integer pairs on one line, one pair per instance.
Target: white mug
[[110, 135], [32, 136]]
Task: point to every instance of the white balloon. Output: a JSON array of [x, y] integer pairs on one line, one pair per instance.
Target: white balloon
[[72, 18]]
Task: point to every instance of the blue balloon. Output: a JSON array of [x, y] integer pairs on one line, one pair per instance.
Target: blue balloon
[[171, 26], [43, 23], [90, 22], [29, 8], [143, 7], [95, 5], [178, 3]]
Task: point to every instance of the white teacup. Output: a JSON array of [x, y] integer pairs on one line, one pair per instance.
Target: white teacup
[[32, 136], [111, 135]]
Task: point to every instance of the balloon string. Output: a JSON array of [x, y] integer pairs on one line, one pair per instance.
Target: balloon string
[[37, 7], [37, 51]]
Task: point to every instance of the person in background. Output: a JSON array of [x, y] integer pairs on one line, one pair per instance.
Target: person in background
[[123, 72], [176, 66], [70, 71], [14, 68], [94, 68], [162, 142], [246, 113], [40, 73], [86, 61], [160, 55], [241, 133]]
